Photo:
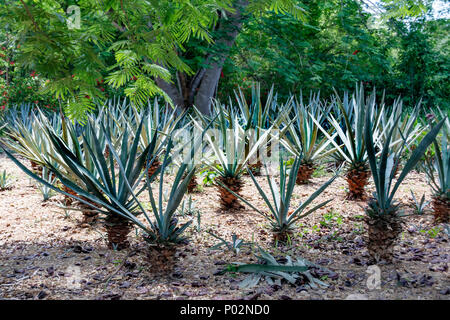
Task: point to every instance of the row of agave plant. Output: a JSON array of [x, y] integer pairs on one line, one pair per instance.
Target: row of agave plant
[[102, 163]]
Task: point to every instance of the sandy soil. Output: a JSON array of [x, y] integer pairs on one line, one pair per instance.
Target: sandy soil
[[45, 254]]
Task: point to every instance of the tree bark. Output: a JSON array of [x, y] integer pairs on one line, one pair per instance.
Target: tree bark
[[211, 77], [172, 91]]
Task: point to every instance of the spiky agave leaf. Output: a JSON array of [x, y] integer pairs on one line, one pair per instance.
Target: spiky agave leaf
[[155, 118], [382, 171], [30, 139], [440, 165], [353, 146], [406, 126], [235, 245], [257, 117], [419, 206]]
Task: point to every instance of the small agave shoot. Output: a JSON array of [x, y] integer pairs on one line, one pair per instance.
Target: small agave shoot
[[281, 218], [384, 218], [29, 139], [353, 146], [101, 187], [440, 164], [302, 136]]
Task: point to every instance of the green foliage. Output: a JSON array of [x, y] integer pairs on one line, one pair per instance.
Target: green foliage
[[341, 44], [18, 84], [330, 219], [127, 47], [432, 232], [208, 176], [127, 43]]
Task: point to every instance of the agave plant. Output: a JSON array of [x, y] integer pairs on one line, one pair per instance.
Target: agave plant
[[383, 212], [440, 164], [109, 191], [162, 229], [30, 140], [302, 137], [274, 271], [230, 149], [353, 147], [419, 206], [258, 117], [281, 218]]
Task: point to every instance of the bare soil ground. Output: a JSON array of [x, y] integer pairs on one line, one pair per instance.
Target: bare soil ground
[[45, 254]]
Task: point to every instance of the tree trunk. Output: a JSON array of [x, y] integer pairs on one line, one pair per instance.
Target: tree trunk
[[200, 90]]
